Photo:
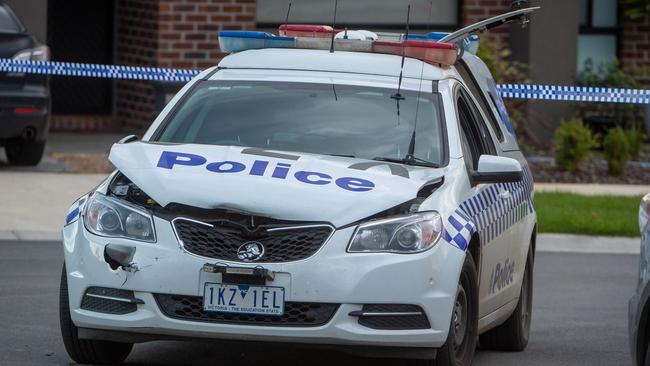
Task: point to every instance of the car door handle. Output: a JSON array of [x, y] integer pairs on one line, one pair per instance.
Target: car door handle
[[504, 195]]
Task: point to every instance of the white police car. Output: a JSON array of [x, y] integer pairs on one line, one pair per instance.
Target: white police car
[[639, 304], [297, 195]]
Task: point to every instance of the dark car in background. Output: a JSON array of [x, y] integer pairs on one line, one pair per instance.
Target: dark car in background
[[24, 98], [639, 315]]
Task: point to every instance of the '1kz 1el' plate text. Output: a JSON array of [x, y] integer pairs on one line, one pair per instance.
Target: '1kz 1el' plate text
[[244, 299]]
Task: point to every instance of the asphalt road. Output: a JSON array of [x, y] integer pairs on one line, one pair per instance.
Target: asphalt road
[[579, 317]]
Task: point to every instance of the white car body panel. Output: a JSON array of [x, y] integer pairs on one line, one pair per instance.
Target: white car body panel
[[292, 199], [504, 225]]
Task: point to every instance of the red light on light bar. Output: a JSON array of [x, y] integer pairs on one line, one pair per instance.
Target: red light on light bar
[[26, 110], [427, 44], [304, 30], [430, 52]]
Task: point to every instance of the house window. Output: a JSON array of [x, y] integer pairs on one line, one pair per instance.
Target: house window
[[598, 39]]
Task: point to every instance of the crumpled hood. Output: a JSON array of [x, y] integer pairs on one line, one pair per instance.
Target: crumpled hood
[[282, 185]]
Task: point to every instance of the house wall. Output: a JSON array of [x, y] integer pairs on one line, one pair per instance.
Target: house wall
[[169, 33]]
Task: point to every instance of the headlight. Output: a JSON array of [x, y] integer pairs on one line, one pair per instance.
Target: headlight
[[107, 216], [401, 234]]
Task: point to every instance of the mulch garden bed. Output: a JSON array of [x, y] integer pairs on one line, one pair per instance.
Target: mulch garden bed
[[593, 170], [589, 172]]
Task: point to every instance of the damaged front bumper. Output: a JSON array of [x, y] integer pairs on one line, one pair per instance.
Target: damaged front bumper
[[349, 285]]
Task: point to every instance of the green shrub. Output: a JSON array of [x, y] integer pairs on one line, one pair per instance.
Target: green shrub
[[617, 150], [573, 143], [635, 139]]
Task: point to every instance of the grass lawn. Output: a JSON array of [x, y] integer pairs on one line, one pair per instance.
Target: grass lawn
[[589, 215]]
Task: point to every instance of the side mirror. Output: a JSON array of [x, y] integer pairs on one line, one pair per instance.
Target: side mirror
[[644, 213], [127, 139], [497, 169]]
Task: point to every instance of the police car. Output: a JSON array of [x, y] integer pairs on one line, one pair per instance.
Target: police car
[[365, 193], [639, 304]]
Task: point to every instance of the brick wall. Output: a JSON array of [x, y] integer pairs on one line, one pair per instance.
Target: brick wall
[[137, 44], [476, 10], [635, 43], [170, 33], [82, 123], [188, 29]]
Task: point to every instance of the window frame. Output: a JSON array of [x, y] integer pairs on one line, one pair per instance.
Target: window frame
[[486, 105], [488, 147], [423, 27]]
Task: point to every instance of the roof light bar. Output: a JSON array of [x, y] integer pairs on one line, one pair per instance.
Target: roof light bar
[[349, 45], [471, 43], [444, 54], [437, 53], [305, 30], [234, 41]]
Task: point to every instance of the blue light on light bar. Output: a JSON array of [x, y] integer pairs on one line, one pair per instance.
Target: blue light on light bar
[[235, 41]]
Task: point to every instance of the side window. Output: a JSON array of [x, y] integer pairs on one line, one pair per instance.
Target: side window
[[499, 105], [479, 95], [476, 135]]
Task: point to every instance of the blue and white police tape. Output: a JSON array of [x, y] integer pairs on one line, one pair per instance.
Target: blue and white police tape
[[575, 93], [95, 71], [514, 91]]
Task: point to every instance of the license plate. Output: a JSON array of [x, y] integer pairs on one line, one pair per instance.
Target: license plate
[[243, 299]]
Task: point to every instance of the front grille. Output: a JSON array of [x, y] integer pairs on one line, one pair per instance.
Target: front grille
[[296, 314], [394, 322], [222, 239], [108, 306]]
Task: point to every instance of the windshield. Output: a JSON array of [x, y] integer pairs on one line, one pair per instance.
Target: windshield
[[344, 120]]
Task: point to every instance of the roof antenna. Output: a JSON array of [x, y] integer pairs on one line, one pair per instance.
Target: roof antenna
[[410, 156], [398, 96], [286, 21], [336, 4]]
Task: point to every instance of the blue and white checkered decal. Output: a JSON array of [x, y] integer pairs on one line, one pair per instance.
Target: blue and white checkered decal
[[459, 229], [516, 91], [488, 214], [76, 209]]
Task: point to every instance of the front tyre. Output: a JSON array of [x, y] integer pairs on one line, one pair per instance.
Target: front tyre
[[514, 333], [461, 341], [83, 350]]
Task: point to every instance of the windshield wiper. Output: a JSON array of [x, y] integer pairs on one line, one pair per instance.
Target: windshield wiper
[[410, 160], [340, 155]]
